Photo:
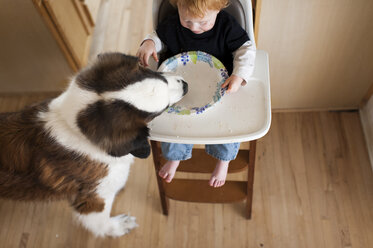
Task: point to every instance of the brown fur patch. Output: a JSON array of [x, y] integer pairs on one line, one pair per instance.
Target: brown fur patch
[[87, 203], [34, 167], [114, 71], [114, 126]]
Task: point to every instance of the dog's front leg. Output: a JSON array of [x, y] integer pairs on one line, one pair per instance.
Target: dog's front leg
[[101, 224]]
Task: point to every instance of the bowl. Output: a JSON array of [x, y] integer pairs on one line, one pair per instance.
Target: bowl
[[204, 74]]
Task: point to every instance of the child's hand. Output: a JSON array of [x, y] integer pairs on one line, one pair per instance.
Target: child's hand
[[146, 49], [234, 83]]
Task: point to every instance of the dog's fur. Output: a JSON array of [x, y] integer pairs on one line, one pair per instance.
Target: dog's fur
[[79, 146]]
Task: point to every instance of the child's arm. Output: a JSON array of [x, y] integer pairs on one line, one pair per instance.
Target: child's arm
[[150, 46], [243, 67]]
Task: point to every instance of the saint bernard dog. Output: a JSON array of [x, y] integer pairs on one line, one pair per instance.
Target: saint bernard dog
[[80, 145]]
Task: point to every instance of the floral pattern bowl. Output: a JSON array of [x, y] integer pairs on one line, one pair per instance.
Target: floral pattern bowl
[[204, 74]]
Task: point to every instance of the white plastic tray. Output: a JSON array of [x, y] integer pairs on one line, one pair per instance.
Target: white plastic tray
[[238, 117]]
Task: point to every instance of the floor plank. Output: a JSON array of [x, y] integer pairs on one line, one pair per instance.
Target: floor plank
[[122, 25]]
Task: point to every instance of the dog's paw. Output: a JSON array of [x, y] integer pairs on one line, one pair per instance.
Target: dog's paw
[[121, 224]]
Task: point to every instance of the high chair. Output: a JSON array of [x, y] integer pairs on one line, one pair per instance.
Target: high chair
[[244, 116]]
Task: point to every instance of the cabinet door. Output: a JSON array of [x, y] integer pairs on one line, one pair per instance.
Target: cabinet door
[[91, 8], [72, 28]]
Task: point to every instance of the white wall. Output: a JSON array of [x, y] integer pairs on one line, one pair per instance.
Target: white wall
[[318, 50]]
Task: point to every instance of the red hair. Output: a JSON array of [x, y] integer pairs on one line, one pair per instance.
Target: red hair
[[199, 7]]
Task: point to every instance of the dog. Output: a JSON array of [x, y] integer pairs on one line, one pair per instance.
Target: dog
[[79, 146]]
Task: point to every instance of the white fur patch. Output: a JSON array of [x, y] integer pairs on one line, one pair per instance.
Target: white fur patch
[[150, 95], [101, 224], [175, 87]]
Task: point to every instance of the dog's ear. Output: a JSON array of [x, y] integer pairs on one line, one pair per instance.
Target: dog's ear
[[115, 128], [139, 147]]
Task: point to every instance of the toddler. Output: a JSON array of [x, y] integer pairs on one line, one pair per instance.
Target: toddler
[[202, 25]]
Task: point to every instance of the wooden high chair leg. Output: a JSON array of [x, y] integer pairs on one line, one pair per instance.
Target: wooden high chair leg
[[250, 179], [157, 166], [193, 190]]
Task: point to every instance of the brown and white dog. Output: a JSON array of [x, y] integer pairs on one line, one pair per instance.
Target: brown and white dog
[[79, 146]]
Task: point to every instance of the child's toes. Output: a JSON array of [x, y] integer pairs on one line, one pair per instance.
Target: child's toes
[[212, 181], [221, 183], [169, 177], [216, 183], [162, 174]]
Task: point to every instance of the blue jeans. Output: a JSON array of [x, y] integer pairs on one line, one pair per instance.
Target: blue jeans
[[174, 151]]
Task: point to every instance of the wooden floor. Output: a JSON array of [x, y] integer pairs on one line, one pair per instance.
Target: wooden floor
[[313, 183], [122, 25], [313, 188]]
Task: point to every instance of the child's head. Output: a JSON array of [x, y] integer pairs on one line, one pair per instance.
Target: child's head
[[198, 15]]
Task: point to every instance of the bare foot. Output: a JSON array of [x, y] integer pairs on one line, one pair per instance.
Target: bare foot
[[167, 172], [219, 174]]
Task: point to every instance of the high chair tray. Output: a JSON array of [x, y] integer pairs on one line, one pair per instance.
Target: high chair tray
[[238, 117]]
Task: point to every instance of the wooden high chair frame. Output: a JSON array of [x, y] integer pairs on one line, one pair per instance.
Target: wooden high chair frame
[[196, 190], [169, 128]]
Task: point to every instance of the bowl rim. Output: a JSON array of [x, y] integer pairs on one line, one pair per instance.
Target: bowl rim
[[194, 56]]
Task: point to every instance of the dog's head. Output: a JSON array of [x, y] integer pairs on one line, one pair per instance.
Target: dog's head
[[127, 97]]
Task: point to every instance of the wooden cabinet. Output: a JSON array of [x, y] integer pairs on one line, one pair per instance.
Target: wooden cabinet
[[73, 21], [91, 7], [43, 42]]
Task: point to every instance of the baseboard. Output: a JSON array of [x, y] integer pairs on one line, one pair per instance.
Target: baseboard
[[30, 93], [366, 117], [295, 110]]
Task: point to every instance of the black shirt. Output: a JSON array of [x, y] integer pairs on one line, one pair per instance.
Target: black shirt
[[221, 41]]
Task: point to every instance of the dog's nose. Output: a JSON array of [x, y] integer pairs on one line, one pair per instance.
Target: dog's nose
[[185, 87]]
